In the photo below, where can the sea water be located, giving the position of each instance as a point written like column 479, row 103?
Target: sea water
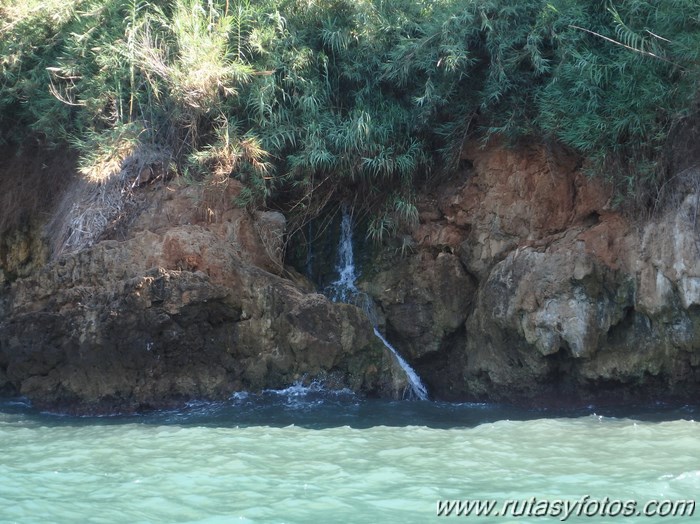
column 305, row 455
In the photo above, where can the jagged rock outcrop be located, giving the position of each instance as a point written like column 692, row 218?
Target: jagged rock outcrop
column 187, row 304
column 561, row 299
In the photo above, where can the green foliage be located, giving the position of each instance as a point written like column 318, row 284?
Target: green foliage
column 619, row 85
column 310, row 102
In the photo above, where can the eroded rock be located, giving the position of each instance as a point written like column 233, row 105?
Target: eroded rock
column 424, row 299
column 566, row 301
column 520, row 284
column 179, row 311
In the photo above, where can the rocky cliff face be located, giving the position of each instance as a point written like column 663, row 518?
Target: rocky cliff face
column 188, row 303
column 520, row 284
column 526, row 286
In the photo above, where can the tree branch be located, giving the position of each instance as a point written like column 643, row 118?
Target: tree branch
column 647, row 53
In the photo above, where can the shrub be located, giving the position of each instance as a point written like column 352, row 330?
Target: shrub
column 314, row 102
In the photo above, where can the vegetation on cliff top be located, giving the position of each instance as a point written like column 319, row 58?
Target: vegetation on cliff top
column 314, row 101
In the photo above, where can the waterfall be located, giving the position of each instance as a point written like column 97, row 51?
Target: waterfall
column 345, row 290
column 418, row 389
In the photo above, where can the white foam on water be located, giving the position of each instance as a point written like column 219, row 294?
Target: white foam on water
column 298, row 389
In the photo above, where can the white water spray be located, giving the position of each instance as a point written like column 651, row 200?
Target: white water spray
column 418, row 389
column 345, row 290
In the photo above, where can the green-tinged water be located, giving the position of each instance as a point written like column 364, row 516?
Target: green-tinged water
column 311, row 457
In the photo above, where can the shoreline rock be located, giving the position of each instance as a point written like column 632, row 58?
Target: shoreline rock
column 521, row 285
column 179, row 311
column 566, row 302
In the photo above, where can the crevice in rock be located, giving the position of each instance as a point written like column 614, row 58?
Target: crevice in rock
column 694, row 311
column 443, row 370
column 562, row 371
column 591, row 219
column 465, row 165
column 7, row 388
column 619, row 332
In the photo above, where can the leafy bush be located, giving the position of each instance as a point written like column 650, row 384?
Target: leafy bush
column 318, row 101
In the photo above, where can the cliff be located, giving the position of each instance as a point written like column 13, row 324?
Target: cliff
column 183, row 299
column 525, row 285
column 521, row 284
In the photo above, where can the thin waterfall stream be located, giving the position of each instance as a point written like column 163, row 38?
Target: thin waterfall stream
column 345, row 290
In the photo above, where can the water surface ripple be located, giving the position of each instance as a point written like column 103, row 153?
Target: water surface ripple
column 308, row 456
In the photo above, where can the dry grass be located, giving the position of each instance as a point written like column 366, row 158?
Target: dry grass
column 95, row 203
column 39, row 186
column 13, row 12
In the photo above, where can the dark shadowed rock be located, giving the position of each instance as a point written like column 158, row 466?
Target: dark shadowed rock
column 424, row 299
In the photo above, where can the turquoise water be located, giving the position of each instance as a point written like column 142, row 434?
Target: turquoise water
column 311, row 456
